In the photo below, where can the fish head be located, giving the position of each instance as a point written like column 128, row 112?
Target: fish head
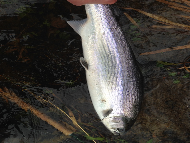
column 121, row 115
column 118, row 124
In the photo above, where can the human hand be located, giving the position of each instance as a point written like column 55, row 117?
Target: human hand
column 83, row 2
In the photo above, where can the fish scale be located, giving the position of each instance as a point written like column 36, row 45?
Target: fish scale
column 114, row 81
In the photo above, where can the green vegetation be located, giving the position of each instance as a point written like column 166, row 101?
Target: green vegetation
column 186, row 76
column 172, row 73
column 162, row 64
column 172, row 70
column 98, row 138
column 20, row 9
column 176, row 81
column 150, row 141
column 46, row 23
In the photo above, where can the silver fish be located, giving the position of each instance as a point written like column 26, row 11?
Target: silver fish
column 114, row 80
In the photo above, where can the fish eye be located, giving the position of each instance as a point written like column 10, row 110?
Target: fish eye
column 107, row 112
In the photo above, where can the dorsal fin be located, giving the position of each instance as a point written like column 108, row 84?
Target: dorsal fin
column 77, row 25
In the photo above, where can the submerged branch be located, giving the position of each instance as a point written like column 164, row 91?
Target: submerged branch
column 13, row 98
column 166, row 50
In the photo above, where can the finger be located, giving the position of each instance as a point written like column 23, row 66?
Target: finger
column 82, row 2
column 103, row 1
column 98, row 1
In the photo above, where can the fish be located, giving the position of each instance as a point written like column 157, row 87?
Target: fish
column 113, row 78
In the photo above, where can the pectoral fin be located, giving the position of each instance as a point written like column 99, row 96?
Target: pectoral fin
column 84, row 63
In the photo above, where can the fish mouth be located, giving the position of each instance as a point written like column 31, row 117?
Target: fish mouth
column 118, row 125
column 118, row 131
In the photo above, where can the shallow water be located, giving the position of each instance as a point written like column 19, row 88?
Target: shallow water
column 43, row 55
